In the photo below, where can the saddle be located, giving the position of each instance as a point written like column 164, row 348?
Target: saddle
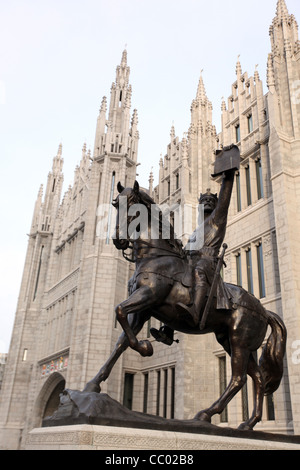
column 223, row 295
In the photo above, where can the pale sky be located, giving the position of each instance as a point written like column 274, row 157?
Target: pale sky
column 58, row 59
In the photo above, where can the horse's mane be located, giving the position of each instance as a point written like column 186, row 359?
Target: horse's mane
column 148, row 201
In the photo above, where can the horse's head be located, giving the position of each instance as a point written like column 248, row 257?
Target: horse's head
column 127, row 197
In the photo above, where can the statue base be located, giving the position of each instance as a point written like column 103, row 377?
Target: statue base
column 103, row 421
column 110, row 439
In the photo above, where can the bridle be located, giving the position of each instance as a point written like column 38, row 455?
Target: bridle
column 167, row 252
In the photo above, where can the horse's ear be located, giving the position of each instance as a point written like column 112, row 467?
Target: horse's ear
column 120, row 187
column 136, row 187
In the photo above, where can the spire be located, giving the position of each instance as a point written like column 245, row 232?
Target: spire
column 284, row 32
column 172, row 132
column 256, row 74
column 41, row 191
column 59, row 152
column 58, row 161
column 239, row 71
column 124, row 58
column 151, row 180
column 281, row 10
column 120, row 99
column 223, row 105
column 184, row 150
column 103, row 107
column 134, row 125
column 134, row 120
column 201, row 93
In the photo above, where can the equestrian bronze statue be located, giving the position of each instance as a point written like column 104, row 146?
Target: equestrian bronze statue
column 182, row 287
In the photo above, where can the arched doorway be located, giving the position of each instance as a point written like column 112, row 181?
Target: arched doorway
column 53, row 401
column 48, row 398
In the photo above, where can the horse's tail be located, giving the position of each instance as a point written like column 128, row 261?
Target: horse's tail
column 271, row 361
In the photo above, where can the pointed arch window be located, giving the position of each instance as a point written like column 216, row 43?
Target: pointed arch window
column 261, row 274
column 259, row 179
column 38, row 273
column 249, row 270
column 110, row 207
column 250, row 123
column 238, row 260
column 237, row 133
column 248, row 185
column 238, row 192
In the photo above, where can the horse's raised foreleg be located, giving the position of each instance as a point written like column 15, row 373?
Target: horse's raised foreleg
column 259, row 388
column 140, row 300
column 239, row 364
column 137, row 322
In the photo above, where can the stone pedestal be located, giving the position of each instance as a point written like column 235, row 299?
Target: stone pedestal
column 93, row 437
column 89, row 420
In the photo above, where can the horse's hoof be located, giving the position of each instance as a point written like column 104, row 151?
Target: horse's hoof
column 245, row 427
column 145, row 348
column 92, row 388
column 203, row 416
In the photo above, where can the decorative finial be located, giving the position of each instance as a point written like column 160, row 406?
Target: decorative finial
column 238, row 66
column 201, row 93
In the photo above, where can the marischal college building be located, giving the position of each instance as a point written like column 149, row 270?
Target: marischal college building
column 65, row 326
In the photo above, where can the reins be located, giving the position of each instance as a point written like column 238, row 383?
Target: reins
column 168, row 252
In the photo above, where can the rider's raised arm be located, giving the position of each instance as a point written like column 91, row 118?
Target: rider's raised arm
column 221, row 210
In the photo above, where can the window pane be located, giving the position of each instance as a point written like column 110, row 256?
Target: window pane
column 270, row 408
column 238, row 193
column 110, row 209
column 165, row 392
column 261, row 275
column 259, row 180
column 249, row 271
column 128, row 391
column 250, row 124
column 223, row 385
column 238, row 133
column 158, row 393
column 239, row 269
column 248, row 184
column 173, row 393
column 146, row 384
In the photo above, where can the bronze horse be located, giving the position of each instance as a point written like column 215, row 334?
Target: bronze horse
column 157, row 286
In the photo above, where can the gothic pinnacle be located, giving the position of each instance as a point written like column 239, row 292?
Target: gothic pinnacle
column 281, row 10
column 239, row 71
column 223, row 105
column 103, row 107
column 201, row 93
column 172, row 132
column 59, row 152
column 58, row 160
column 134, row 120
column 270, row 72
column 124, row 58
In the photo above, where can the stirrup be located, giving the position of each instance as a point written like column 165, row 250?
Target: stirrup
column 161, row 337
